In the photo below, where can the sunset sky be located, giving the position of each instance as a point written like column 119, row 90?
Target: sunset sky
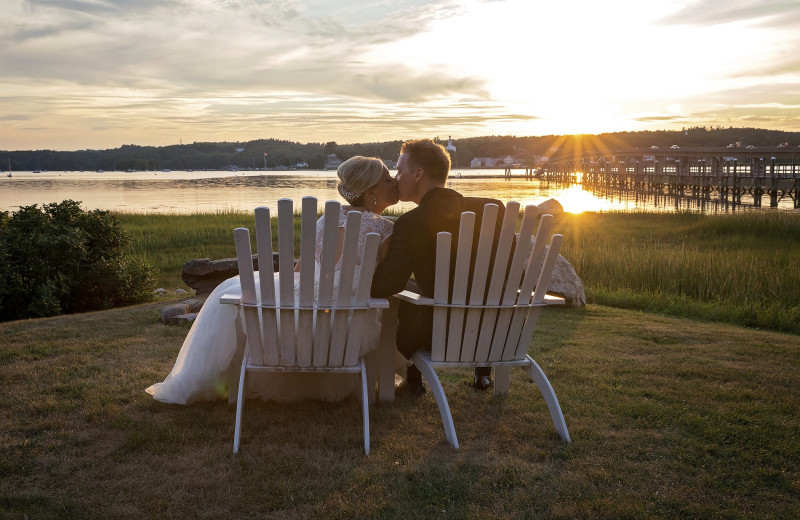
column 77, row 74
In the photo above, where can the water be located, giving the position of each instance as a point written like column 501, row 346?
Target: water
column 211, row 191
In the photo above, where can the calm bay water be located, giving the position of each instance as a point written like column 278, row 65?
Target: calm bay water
column 192, row 192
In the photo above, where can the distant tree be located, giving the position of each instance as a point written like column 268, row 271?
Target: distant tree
column 330, row 147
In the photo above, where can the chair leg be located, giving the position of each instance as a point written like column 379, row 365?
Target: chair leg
column 232, row 378
column 365, row 406
column 372, row 379
column 502, row 380
column 438, row 393
column 239, row 405
column 537, row 374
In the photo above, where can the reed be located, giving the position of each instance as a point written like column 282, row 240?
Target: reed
column 167, row 241
column 737, row 268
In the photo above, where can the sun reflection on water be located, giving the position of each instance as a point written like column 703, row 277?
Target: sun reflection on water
column 575, row 199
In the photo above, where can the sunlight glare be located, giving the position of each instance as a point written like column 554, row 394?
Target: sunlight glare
column 575, row 200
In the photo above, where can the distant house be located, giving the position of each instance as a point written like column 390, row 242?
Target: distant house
column 301, row 164
column 483, row 162
column 332, row 162
column 239, row 149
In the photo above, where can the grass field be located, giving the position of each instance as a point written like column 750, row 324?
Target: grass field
column 739, row 268
column 670, row 418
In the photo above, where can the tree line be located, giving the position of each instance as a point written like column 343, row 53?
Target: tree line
column 274, row 153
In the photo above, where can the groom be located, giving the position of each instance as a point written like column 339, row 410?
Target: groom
column 421, row 176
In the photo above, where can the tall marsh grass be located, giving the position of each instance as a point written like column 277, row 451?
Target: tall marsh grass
column 741, row 268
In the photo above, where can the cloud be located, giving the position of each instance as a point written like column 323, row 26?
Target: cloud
column 15, row 117
column 658, row 119
column 774, row 13
column 244, row 45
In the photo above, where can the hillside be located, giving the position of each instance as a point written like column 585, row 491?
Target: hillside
column 251, row 154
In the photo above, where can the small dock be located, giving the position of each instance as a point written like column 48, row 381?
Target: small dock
column 729, row 174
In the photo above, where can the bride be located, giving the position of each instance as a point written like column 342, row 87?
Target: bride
column 202, row 367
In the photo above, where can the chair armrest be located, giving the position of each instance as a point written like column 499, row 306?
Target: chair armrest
column 412, row 297
column 235, row 299
column 379, row 303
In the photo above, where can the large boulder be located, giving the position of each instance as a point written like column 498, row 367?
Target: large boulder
column 204, row 274
column 564, row 281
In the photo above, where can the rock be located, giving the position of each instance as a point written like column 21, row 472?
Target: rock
column 167, row 313
column 181, row 291
column 160, row 291
column 195, row 304
column 182, row 318
column 204, row 274
column 552, row 207
column 564, row 281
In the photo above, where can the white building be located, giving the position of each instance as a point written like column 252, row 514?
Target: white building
column 332, row 162
column 483, row 162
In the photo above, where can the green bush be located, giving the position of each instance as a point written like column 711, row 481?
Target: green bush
column 62, row 259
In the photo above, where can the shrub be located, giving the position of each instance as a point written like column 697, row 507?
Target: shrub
column 62, row 259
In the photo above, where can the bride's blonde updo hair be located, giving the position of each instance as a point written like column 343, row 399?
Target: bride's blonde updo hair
column 357, row 175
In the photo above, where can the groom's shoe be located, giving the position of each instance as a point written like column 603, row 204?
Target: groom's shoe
column 415, row 388
column 413, row 384
column 482, row 382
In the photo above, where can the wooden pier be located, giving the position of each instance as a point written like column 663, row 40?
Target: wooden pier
column 729, row 174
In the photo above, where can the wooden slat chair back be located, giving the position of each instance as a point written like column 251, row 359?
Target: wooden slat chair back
column 305, row 332
column 489, row 321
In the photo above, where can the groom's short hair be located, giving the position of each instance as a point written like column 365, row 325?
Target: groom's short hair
column 430, row 156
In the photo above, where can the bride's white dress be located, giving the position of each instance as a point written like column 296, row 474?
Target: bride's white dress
column 201, row 370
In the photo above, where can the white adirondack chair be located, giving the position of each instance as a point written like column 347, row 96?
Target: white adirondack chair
column 305, row 334
column 490, row 327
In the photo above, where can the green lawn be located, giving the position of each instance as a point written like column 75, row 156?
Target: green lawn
column 670, row 418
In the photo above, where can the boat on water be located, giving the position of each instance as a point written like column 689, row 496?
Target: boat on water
column 9, row 174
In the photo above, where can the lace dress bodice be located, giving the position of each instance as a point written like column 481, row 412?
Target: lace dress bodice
column 370, row 223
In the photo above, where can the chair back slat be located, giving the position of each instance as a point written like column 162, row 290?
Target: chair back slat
column 344, row 295
column 440, row 295
column 512, row 284
column 538, row 298
column 532, row 273
column 269, row 323
column 480, row 273
column 286, row 281
column 363, row 284
column 305, row 315
column 460, row 285
column 244, row 256
column 497, row 281
column 330, row 240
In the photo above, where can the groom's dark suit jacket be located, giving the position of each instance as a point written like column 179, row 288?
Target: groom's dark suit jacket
column 413, row 251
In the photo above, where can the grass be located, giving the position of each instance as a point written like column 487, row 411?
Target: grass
column 670, row 418
column 738, row 268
